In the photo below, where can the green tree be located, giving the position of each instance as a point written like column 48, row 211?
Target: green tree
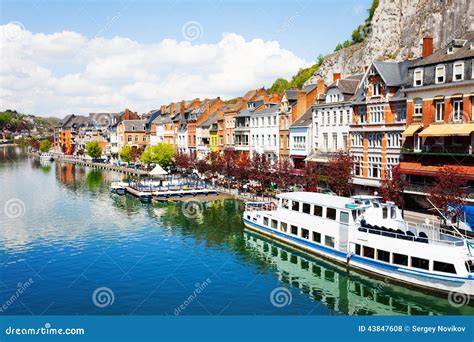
column 161, row 154
column 93, row 149
column 126, row 154
column 278, row 86
column 45, row 145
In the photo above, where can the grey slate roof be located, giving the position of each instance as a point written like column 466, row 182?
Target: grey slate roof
column 291, row 94
column 209, row 121
column 139, row 125
column 244, row 112
column 274, row 108
column 310, row 87
column 441, row 55
column 304, row 120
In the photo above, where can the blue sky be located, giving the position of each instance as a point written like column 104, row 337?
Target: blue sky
column 306, row 27
column 62, row 57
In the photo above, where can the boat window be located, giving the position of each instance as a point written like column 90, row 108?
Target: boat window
column 383, row 255
column 369, row 252
column 283, row 226
column 354, row 215
column 248, row 217
column 420, row 263
column 344, row 217
column 294, row 230
column 331, row 213
column 329, row 241
column 400, row 259
column 316, row 237
column 265, row 221
column 318, row 211
column 304, row 233
column 444, row 267
column 295, row 206
column 306, row 208
column 284, row 203
column 357, row 249
column 274, row 224
column 384, row 212
column 376, row 205
column 394, row 213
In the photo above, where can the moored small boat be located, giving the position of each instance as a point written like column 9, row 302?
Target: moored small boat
column 118, row 188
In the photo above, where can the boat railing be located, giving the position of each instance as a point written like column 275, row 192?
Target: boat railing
column 457, row 242
column 260, row 206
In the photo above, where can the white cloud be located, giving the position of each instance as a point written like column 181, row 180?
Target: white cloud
column 65, row 72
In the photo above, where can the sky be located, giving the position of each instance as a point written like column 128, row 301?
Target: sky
column 63, row 57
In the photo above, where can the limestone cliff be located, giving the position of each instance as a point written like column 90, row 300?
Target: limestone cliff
column 397, row 29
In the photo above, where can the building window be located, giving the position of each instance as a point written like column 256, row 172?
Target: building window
column 358, row 165
column 129, row 138
column 374, row 167
column 439, row 106
column 377, row 114
column 418, row 77
column 326, row 142
column 334, row 140
column 458, row 71
column 440, row 74
column 457, row 110
column 376, row 89
column 400, row 113
column 344, row 141
column 362, row 115
column 394, row 139
column 341, row 117
column 418, row 107
column 375, row 139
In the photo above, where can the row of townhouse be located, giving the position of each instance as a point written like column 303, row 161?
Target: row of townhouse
column 415, row 113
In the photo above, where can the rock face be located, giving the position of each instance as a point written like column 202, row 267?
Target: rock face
column 396, row 33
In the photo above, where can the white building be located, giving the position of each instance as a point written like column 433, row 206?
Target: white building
column 265, row 131
column 301, row 139
column 331, row 119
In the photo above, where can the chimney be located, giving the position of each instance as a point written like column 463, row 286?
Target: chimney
column 336, row 76
column 321, row 87
column 300, row 106
column 181, row 107
column 427, row 47
column 171, row 108
column 196, row 103
column 163, row 108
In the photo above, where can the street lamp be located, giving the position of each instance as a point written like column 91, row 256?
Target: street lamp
column 403, row 178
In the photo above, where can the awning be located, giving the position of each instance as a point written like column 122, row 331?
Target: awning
column 446, row 130
column 158, row 171
column 417, row 168
column 295, row 156
column 317, row 159
column 439, row 97
column 410, row 130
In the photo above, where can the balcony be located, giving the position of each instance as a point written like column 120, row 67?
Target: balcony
column 439, row 150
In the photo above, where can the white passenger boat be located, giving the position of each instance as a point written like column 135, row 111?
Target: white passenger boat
column 369, row 235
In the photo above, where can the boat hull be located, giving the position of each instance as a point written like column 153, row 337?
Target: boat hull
column 396, row 274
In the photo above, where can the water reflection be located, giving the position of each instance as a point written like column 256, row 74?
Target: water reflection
column 344, row 292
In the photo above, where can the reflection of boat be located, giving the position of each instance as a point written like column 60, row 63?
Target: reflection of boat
column 366, row 234
column 118, row 187
column 46, row 156
column 346, row 293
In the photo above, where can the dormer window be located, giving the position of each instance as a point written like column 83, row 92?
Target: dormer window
column 440, row 74
column 458, row 71
column 133, row 128
column 450, row 50
column 418, row 78
column 376, row 89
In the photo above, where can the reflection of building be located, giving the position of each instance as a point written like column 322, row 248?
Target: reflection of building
column 379, row 113
column 351, row 294
column 440, row 122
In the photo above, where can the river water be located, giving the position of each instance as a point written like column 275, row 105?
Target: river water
column 69, row 246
